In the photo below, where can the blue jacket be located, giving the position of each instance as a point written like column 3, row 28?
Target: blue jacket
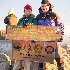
column 49, row 19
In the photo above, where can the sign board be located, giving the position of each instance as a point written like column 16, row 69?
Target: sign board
column 6, row 47
column 34, row 51
column 34, row 32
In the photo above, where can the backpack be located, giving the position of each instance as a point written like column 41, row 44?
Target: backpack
column 13, row 20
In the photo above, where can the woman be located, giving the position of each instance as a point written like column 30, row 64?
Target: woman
column 28, row 17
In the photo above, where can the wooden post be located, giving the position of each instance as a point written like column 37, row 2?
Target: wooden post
column 20, row 64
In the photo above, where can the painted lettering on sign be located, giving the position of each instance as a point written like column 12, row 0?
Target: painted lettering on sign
column 39, row 32
column 38, row 51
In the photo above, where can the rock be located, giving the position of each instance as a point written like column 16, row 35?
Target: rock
column 2, row 38
column 66, row 57
column 16, row 64
column 4, row 63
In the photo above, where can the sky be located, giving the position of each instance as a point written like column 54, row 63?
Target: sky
column 61, row 7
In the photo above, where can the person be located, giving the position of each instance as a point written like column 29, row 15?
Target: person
column 48, row 18
column 11, row 19
column 27, row 19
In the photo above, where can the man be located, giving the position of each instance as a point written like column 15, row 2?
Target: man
column 27, row 19
column 48, row 18
column 11, row 19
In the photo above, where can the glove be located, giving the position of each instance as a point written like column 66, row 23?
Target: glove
column 61, row 39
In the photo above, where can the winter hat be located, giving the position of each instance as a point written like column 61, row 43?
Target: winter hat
column 11, row 11
column 27, row 7
column 45, row 2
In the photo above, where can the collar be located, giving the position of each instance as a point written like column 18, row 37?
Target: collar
column 31, row 16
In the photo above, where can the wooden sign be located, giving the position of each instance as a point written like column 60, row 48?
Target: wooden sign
column 34, row 32
column 34, row 51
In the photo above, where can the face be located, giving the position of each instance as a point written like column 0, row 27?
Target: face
column 28, row 12
column 44, row 7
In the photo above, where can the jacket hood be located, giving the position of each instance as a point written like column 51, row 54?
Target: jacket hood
column 11, row 11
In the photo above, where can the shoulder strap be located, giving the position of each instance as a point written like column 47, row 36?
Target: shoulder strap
column 55, row 22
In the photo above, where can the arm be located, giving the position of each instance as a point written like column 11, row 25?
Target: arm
column 37, row 18
column 35, row 21
column 20, row 22
column 6, row 20
column 60, row 23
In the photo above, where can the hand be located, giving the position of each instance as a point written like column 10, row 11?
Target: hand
column 61, row 39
